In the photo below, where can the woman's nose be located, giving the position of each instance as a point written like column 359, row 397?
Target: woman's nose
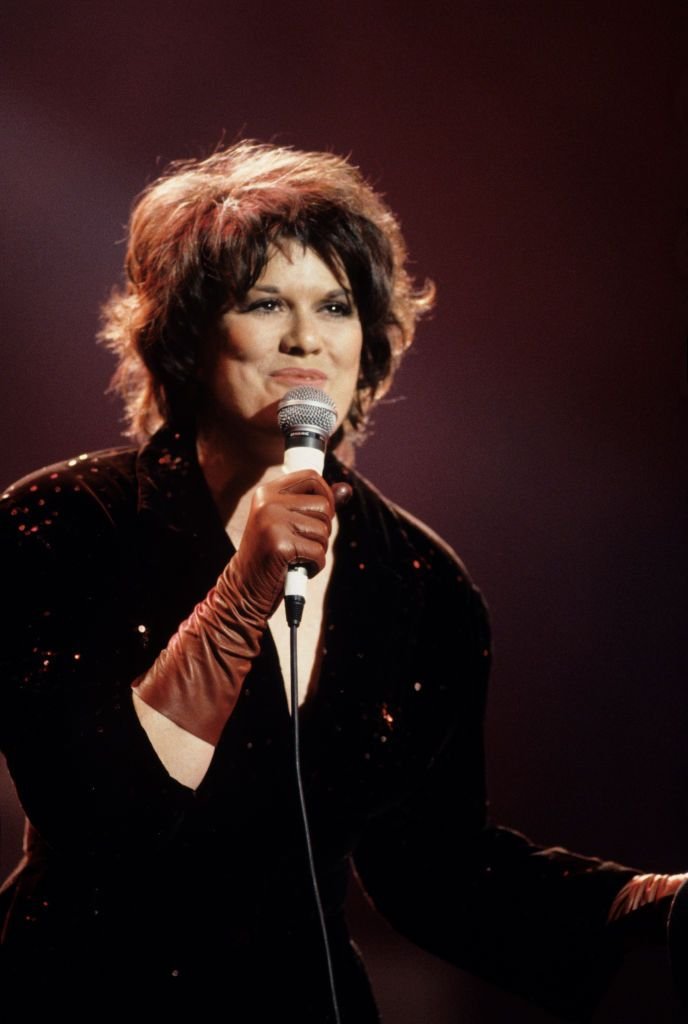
column 302, row 336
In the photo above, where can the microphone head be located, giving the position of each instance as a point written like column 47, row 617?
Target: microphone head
column 307, row 408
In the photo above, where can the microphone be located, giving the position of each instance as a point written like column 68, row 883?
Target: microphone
column 307, row 417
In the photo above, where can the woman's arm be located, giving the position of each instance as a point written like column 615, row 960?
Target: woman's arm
column 186, row 757
column 90, row 763
column 84, row 769
column 185, row 698
column 528, row 918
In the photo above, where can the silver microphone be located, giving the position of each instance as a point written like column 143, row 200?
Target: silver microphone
column 307, row 417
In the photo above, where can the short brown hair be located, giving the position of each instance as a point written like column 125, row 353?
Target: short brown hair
column 199, row 238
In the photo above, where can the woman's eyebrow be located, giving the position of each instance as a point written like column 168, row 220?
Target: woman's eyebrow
column 273, row 290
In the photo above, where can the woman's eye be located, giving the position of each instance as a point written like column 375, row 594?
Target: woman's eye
column 263, row 306
column 338, row 308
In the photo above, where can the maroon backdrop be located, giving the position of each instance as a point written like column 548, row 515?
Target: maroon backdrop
column 536, row 155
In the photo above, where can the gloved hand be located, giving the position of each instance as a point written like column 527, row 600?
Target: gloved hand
column 196, row 680
column 641, row 909
column 678, row 940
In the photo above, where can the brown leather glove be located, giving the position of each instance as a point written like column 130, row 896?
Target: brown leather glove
column 642, row 908
column 197, row 678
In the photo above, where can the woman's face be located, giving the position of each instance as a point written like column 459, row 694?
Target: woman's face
column 297, row 326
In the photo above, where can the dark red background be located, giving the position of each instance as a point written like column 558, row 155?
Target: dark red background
column 536, row 155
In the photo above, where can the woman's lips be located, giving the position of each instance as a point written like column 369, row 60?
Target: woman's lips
column 299, row 375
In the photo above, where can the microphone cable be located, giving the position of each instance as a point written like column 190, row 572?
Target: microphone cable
column 294, row 607
column 307, row 417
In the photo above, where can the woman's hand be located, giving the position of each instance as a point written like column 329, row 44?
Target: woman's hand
column 289, row 523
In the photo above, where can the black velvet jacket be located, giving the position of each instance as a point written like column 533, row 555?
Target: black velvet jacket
column 131, row 877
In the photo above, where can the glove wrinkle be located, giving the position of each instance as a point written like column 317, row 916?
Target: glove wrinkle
column 197, row 679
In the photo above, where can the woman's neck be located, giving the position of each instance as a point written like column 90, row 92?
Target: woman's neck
column 232, row 475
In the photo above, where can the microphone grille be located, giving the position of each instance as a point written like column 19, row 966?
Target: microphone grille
column 307, row 407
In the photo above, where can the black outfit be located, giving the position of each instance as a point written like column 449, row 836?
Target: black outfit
column 132, row 877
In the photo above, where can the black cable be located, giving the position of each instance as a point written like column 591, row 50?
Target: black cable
column 293, row 626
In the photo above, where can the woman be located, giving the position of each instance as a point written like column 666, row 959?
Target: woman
column 144, row 712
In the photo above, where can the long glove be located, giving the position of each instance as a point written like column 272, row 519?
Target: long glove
column 643, row 906
column 196, row 680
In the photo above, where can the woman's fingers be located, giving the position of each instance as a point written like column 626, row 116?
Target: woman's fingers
column 307, row 484
column 303, row 493
column 290, row 523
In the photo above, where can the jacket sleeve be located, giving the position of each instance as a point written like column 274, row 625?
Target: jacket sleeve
column 528, row 918
column 84, row 770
